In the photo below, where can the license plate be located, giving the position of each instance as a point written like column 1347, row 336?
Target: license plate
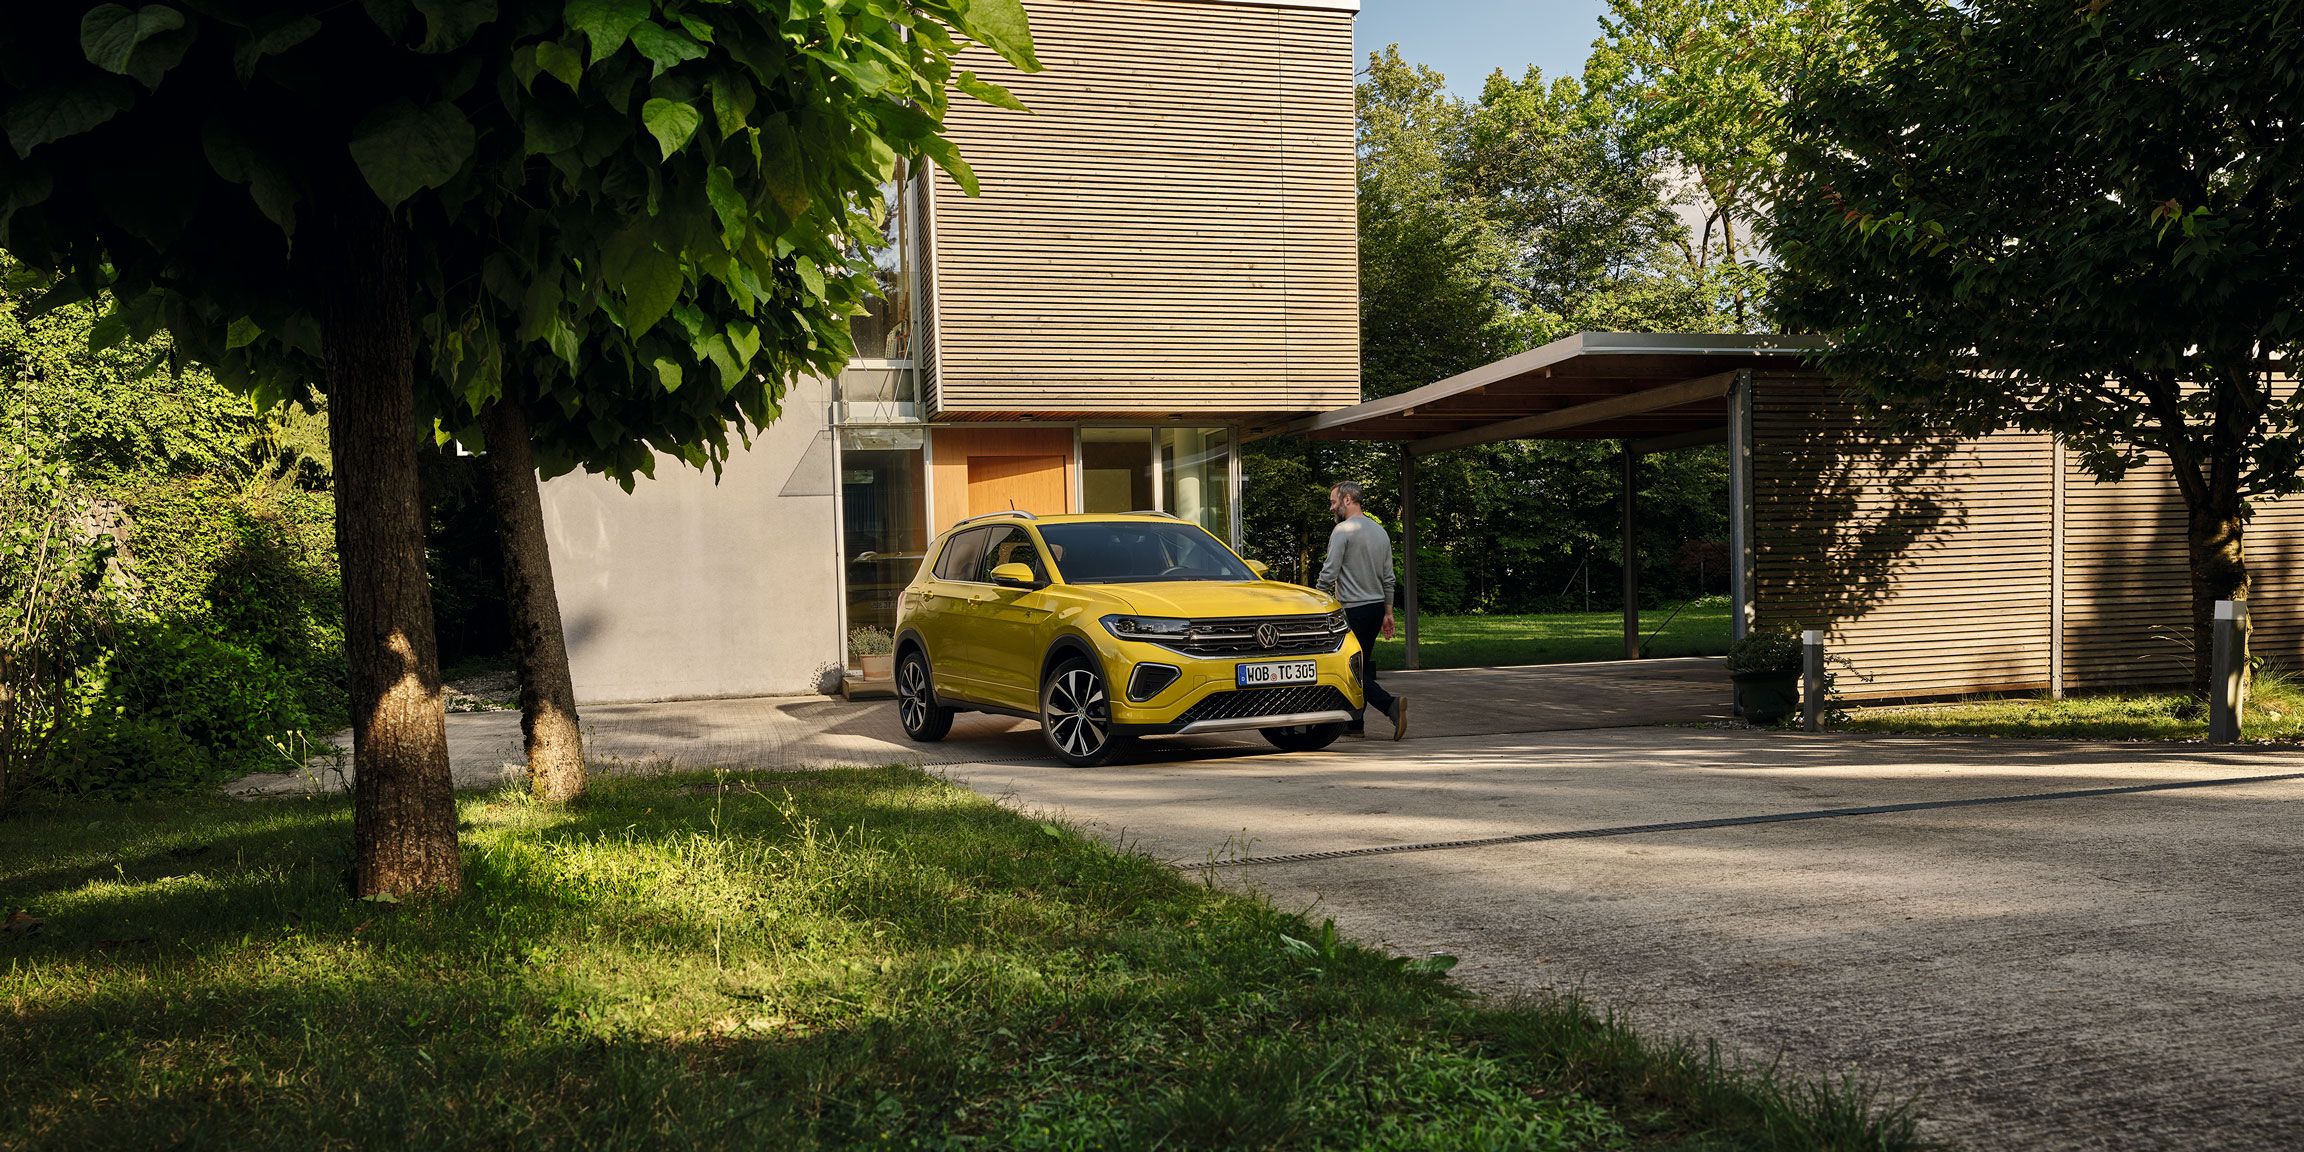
column 1278, row 672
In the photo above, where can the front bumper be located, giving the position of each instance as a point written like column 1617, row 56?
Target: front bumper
column 1205, row 695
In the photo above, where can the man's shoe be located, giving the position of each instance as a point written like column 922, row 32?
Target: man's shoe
column 1399, row 714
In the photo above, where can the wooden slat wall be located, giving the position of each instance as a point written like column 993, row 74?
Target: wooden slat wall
column 2128, row 589
column 1929, row 567
column 1932, row 573
column 1172, row 228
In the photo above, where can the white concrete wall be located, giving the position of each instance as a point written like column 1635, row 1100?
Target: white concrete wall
column 685, row 588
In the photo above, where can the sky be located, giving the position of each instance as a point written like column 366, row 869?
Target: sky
column 1467, row 39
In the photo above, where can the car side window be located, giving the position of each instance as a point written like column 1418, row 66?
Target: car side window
column 962, row 555
column 1011, row 545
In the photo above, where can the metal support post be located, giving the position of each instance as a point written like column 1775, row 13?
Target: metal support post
column 1812, row 680
column 1408, row 632
column 2226, row 697
column 1631, row 555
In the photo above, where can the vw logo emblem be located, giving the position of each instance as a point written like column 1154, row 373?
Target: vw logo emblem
column 1267, row 636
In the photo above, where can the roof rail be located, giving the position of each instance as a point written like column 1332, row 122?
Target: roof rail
column 992, row 516
column 1153, row 512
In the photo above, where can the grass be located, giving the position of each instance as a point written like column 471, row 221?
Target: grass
column 1700, row 629
column 2275, row 712
column 789, row 961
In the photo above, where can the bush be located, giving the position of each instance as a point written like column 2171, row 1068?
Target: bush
column 1772, row 650
column 171, row 707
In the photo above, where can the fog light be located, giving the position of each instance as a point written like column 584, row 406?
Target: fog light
column 1150, row 680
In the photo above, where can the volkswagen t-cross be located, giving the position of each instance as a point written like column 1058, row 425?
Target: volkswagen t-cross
column 1106, row 628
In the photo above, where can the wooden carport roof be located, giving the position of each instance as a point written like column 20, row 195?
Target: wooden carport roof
column 1658, row 390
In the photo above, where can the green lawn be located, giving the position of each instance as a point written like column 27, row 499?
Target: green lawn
column 1701, row 629
column 2275, row 712
column 786, row 961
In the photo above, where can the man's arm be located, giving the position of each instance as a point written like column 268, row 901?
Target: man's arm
column 1327, row 581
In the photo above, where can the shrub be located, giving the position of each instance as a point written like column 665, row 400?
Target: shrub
column 1762, row 650
column 170, row 707
column 1441, row 586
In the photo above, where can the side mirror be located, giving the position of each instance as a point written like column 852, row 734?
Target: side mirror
column 1262, row 570
column 1015, row 576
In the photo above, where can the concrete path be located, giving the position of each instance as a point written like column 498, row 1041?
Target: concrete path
column 484, row 748
column 2109, row 972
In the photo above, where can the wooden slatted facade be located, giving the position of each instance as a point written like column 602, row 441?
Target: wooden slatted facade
column 1956, row 567
column 1171, row 230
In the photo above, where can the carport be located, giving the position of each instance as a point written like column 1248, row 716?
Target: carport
column 1651, row 392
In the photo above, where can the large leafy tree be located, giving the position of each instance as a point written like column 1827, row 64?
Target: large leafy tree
column 2086, row 220
column 1696, row 85
column 622, row 191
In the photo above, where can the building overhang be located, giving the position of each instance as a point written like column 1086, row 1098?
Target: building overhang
column 1660, row 390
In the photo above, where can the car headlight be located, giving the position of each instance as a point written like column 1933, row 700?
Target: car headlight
column 1145, row 627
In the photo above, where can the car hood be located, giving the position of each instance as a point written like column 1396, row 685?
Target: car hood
column 1211, row 599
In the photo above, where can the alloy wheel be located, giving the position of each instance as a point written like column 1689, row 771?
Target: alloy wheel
column 1078, row 716
column 912, row 697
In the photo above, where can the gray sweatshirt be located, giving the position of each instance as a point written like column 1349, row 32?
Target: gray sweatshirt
column 1359, row 565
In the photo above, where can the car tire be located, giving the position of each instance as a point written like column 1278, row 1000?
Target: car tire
column 923, row 718
column 1303, row 737
column 1076, row 714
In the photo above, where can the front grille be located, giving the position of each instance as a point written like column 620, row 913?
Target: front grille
column 1215, row 639
column 1247, row 702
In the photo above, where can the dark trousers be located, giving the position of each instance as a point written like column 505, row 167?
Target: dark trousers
column 1367, row 620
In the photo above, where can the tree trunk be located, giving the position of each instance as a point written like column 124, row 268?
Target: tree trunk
column 404, row 803
column 547, row 693
column 2213, row 534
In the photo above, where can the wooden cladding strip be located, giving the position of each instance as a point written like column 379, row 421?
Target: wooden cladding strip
column 1172, row 229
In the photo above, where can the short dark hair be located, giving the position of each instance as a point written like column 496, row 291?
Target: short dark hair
column 1350, row 489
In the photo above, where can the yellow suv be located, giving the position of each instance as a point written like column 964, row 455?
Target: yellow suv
column 1107, row 628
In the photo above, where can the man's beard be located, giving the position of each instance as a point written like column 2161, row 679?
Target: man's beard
column 1340, row 514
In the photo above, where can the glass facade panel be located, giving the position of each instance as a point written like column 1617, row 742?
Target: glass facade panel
column 1116, row 470
column 1196, row 477
column 883, row 491
column 884, row 331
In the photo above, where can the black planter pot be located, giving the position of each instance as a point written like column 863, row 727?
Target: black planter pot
column 1767, row 697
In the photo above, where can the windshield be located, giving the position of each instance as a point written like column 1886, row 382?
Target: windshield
column 1138, row 551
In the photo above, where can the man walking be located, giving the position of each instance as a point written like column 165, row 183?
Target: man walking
column 1358, row 572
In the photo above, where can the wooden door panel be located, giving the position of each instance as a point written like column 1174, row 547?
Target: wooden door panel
column 1025, row 483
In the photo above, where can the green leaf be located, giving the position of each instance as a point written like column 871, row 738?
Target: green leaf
column 671, row 122
column 948, row 158
column 989, row 92
column 546, row 129
column 405, row 148
column 143, row 43
column 449, row 24
column 810, row 276
column 781, row 166
column 271, row 40
column 606, row 23
column 668, row 372
column 744, row 337
column 61, row 112
column 563, row 63
column 1001, row 26
column 241, row 334
column 735, row 215
column 665, row 47
column 732, row 101
column 649, row 279
column 269, row 184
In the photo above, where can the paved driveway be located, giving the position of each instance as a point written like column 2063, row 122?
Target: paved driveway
column 2109, row 971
